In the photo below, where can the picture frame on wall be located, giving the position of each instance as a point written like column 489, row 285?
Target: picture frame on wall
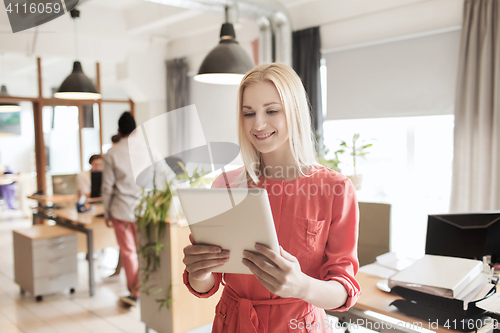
column 10, row 123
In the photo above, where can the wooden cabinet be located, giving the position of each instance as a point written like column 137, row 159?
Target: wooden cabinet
column 45, row 259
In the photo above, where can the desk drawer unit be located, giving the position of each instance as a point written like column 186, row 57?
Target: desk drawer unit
column 45, row 259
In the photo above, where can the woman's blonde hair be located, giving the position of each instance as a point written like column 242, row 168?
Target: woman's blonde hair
column 295, row 103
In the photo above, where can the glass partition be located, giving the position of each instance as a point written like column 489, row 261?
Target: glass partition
column 62, row 145
column 17, row 140
column 17, row 156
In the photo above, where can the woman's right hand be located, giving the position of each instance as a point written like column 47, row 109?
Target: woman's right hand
column 202, row 260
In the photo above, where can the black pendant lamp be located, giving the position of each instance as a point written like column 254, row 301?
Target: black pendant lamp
column 77, row 85
column 8, row 106
column 227, row 63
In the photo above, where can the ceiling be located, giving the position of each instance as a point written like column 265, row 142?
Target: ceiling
column 109, row 30
column 147, row 18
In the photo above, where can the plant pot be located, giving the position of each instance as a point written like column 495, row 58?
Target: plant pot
column 357, row 181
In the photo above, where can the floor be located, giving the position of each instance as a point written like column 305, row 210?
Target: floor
column 63, row 312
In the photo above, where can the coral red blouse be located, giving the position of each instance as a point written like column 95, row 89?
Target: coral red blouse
column 316, row 218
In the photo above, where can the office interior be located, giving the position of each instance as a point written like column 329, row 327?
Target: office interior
column 389, row 75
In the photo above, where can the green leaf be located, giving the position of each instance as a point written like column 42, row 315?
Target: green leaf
column 159, row 246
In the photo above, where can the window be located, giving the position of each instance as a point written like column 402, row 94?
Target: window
column 409, row 166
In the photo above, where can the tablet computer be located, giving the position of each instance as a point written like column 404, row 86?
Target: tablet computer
column 234, row 219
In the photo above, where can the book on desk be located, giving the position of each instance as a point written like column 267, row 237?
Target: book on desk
column 438, row 275
column 443, row 289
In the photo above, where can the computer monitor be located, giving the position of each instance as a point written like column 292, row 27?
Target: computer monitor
column 64, row 184
column 95, row 184
column 466, row 235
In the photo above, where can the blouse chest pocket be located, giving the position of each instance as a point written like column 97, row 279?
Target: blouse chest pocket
column 308, row 237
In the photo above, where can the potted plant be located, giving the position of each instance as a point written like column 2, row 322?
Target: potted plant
column 356, row 149
column 331, row 163
column 154, row 252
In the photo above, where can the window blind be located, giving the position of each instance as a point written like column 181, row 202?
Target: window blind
column 413, row 77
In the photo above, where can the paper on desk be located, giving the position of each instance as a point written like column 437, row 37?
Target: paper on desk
column 377, row 270
column 491, row 304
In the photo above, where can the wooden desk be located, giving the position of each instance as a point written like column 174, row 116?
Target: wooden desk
column 86, row 223
column 94, row 200
column 43, row 199
column 8, row 179
column 376, row 300
column 104, row 236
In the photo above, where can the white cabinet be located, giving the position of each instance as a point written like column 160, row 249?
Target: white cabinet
column 45, row 259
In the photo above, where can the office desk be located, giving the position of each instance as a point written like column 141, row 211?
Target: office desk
column 8, row 179
column 376, row 300
column 43, row 199
column 104, row 236
column 86, row 223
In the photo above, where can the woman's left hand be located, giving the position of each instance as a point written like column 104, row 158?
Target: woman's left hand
column 280, row 273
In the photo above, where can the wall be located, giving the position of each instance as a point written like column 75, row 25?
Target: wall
column 216, row 105
column 143, row 77
column 347, row 23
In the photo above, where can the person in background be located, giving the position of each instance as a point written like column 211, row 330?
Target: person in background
column 115, row 139
column 8, row 190
column 83, row 179
column 120, row 197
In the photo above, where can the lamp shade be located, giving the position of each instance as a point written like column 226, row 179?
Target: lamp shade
column 77, row 86
column 227, row 63
column 8, row 106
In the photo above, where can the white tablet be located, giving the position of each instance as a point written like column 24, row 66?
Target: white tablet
column 234, row 219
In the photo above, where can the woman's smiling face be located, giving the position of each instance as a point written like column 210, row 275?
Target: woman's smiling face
column 263, row 116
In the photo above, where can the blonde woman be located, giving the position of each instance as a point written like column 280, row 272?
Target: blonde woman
column 315, row 213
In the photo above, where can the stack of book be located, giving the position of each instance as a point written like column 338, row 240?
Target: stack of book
column 438, row 288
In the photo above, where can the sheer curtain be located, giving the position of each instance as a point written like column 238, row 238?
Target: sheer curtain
column 476, row 166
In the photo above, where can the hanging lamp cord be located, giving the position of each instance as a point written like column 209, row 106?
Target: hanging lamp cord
column 75, row 14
